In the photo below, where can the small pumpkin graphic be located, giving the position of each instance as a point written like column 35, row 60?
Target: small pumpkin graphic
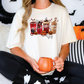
column 35, row 33
column 45, row 64
column 50, row 32
column 43, row 33
column 79, row 31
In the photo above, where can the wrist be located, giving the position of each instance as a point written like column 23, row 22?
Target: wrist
column 62, row 57
column 28, row 59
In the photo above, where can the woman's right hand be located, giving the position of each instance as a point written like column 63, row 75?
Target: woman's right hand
column 19, row 52
column 35, row 66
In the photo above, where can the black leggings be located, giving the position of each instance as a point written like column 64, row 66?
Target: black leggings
column 11, row 65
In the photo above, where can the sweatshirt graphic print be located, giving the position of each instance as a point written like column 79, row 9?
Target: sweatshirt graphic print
column 44, row 27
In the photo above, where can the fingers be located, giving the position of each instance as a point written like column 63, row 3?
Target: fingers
column 61, row 69
column 58, row 68
column 59, row 64
column 36, row 68
column 56, row 58
column 40, row 72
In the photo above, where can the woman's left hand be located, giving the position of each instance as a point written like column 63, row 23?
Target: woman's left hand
column 59, row 64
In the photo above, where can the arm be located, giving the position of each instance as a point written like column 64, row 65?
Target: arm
column 19, row 52
column 64, row 52
column 59, row 61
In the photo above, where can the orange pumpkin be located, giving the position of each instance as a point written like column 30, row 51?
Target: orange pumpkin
column 79, row 31
column 45, row 64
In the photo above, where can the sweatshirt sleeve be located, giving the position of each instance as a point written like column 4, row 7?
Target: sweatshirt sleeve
column 68, row 34
column 14, row 37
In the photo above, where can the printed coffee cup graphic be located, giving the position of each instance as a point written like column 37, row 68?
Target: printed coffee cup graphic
column 46, row 24
column 43, row 27
column 54, row 26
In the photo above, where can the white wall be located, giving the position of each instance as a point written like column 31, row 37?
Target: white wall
column 71, row 5
column 77, row 5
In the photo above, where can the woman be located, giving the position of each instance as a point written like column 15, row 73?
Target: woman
column 41, row 29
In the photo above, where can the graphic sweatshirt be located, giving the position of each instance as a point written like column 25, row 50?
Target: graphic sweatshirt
column 48, row 29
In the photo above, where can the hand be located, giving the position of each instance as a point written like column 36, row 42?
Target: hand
column 59, row 64
column 35, row 66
